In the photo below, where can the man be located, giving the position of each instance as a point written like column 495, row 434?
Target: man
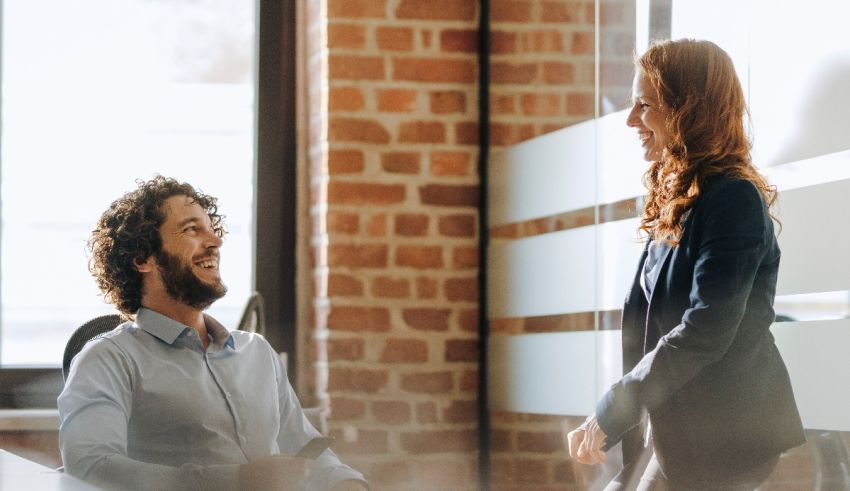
column 172, row 400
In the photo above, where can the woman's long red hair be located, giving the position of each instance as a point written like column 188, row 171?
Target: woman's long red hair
column 697, row 86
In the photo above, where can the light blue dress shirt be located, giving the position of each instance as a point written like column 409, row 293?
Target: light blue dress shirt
column 146, row 407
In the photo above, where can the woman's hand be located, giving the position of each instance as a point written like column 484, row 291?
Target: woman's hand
column 585, row 442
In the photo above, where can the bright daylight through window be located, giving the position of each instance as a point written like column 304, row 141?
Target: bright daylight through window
column 95, row 95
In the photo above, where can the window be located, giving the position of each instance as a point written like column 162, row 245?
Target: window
column 95, row 95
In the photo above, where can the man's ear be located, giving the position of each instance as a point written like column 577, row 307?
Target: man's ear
column 145, row 266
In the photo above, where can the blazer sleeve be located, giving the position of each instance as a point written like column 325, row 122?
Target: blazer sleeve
column 735, row 230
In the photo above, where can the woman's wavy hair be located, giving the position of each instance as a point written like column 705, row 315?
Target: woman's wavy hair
column 697, row 87
column 130, row 230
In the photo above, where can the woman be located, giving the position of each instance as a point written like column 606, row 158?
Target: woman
column 698, row 354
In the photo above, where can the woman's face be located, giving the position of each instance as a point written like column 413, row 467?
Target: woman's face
column 647, row 117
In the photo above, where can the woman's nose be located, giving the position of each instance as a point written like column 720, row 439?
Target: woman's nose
column 633, row 119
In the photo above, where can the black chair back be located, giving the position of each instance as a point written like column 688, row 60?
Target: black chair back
column 92, row 329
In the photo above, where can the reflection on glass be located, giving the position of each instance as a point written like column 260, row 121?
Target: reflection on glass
column 95, row 95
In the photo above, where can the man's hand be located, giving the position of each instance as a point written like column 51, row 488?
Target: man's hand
column 585, row 442
column 351, row 485
column 275, row 472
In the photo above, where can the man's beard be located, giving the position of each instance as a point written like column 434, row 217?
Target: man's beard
column 182, row 285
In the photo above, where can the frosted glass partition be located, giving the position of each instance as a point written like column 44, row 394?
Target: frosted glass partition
column 548, row 175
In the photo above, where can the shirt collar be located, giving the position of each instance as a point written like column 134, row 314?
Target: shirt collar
column 168, row 329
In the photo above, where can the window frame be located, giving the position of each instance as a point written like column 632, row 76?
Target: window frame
column 274, row 204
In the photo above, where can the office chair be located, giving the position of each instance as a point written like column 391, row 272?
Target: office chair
column 254, row 315
column 92, row 329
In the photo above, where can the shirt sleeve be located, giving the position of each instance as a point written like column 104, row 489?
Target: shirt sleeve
column 94, row 408
column 735, row 228
column 296, row 430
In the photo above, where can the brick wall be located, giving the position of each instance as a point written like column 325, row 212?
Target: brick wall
column 393, row 148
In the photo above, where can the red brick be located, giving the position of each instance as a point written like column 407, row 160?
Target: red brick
column 386, row 287
column 434, row 69
column 461, row 350
column 513, row 73
column 558, row 73
column 450, row 164
column 501, row 134
column 391, row 412
column 343, row 408
column 364, row 193
column 358, row 255
column 394, row 38
column 368, row 442
column 345, row 161
column 422, row 132
column 540, row 441
column 436, row 9
column 461, row 412
column 449, row 195
column 447, row 101
column 580, row 104
column 377, row 226
column 427, row 35
column 346, row 36
column 345, row 99
column 455, row 474
column 501, row 440
column 462, row 289
column 502, row 42
column 427, row 319
column 561, row 11
column 427, row 383
column 544, row 41
column 411, row 224
column 405, row 351
column 468, row 320
column 531, row 471
column 357, row 130
column 466, row 133
column 459, row 40
column 469, row 381
column 426, row 287
column 396, row 100
column 457, row 225
column 426, row 412
column 583, row 42
column 400, row 162
column 502, row 104
column 565, row 472
column 357, row 380
column 541, row 104
column 342, row 222
column 353, row 318
column 420, row 257
column 389, row 474
column 351, row 67
column 510, row 11
column 343, row 285
column 345, row 349
column 356, row 8
column 465, row 258
column 439, row 441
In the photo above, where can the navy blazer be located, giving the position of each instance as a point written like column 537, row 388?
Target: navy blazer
column 699, row 356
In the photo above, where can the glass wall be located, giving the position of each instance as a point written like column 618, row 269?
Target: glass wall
column 96, row 95
column 565, row 201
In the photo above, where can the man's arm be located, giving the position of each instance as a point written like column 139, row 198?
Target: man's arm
column 296, row 430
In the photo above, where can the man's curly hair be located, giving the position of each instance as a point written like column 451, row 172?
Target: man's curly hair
column 130, row 230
